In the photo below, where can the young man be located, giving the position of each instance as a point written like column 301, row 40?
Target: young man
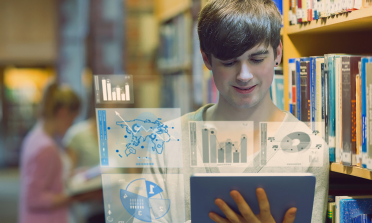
column 240, row 44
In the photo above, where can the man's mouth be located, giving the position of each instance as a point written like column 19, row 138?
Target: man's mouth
column 244, row 90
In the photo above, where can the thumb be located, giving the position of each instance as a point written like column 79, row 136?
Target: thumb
column 290, row 215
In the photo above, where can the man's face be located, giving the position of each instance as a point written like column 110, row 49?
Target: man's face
column 244, row 81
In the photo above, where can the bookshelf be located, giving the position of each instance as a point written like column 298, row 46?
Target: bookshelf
column 346, row 33
column 352, row 171
column 167, row 9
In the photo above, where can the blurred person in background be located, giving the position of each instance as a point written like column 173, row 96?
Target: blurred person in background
column 81, row 143
column 44, row 165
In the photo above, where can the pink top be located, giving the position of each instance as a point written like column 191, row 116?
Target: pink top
column 41, row 178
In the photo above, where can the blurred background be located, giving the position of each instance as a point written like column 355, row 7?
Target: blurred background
column 70, row 40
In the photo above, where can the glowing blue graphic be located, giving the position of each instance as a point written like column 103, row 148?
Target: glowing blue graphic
column 140, row 137
column 142, row 199
column 143, row 133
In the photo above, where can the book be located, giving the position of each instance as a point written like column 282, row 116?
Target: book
column 319, row 62
column 292, row 85
column 304, row 11
column 352, row 207
column 298, row 89
column 330, row 212
column 338, row 119
column 363, row 218
column 332, row 108
column 338, row 208
column 326, row 97
column 312, row 78
column 364, row 60
column 358, row 120
column 278, row 89
column 369, row 113
column 305, row 91
column 349, row 71
column 299, row 11
column 322, row 99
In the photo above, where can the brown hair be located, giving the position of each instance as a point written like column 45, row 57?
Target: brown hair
column 56, row 97
column 228, row 28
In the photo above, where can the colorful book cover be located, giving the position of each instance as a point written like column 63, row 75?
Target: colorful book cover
column 319, row 62
column 338, row 90
column 351, row 208
column 358, row 120
column 304, row 11
column 363, row 218
column 332, row 110
column 322, row 93
column 349, row 71
column 364, row 60
column 279, row 91
column 326, row 98
column 299, row 11
column 305, row 91
column 291, row 68
column 298, row 89
column 369, row 114
column 312, row 73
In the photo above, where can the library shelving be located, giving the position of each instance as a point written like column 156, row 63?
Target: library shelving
column 349, row 33
column 352, row 171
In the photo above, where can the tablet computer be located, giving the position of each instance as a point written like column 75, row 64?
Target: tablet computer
column 283, row 192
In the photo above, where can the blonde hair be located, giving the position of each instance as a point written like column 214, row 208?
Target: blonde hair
column 56, row 97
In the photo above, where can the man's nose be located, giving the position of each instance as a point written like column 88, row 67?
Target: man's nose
column 245, row 74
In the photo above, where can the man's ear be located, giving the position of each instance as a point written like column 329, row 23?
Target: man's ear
column 206, row 61
column 279, row 52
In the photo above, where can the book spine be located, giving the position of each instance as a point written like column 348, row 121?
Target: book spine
column 308, row 78
column 312, row 92
column 332, row 111
column 346, row 112
column 326, row 99
column 369, row 114
column 358, row 121
column 338, row 109
column 354, row 70
column 304, row 11
column 319, row 94
column 322, row 101
column 290, row 63
column 303, row 76
column 294, row 91
column 364, row 111
column 299, row 11
column 298, row 89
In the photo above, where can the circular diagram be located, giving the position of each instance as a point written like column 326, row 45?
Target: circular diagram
column 143, row 200
column 288, row 143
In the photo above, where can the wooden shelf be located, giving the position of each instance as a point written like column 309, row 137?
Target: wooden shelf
column 352, row 171
column 359, row 20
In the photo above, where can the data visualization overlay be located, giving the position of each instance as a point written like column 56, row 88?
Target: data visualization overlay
column 291, row 144
column 143, row 198
column 113, row 89
column 221, row 143
column 130, row 137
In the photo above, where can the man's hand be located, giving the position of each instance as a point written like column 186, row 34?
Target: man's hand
column 246, row 214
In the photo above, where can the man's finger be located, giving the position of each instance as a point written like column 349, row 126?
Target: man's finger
column 264, row 205
column 243, row 207
column 216, row 218
column 290, row 215
column 230, row 214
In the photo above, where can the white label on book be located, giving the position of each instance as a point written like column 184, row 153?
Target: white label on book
column 364, row 158
column 299, row 13
column 369, row 164
column 346, row 157
column 332, row 142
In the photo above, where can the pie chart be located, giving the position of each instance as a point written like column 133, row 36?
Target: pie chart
column 144, row 201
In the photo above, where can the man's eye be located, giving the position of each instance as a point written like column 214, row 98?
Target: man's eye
column 257, row 60
column 229, row 64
